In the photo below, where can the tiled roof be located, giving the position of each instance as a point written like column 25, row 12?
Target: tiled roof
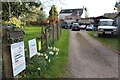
column 75, row 12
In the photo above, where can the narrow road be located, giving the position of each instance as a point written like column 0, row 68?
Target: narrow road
column 90, row 59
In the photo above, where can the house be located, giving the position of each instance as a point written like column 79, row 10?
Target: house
column 70, row 15
column 117, row 20
column 110, row 15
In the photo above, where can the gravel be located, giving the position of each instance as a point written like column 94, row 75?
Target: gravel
column 88, row 58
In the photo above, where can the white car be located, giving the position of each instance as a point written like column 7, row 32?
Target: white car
column 106, row 27
column 83, row 26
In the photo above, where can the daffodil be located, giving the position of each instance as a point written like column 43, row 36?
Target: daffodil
column 46, row 57
column 51, row 52
column 38, row 54
column 57, row 53
column 44, row 54
column 41, row 54
column 39, row 69
column 49, row 60
column 57, row 49
column 49, row 47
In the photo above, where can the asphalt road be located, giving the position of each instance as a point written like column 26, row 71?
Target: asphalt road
column 88, row 58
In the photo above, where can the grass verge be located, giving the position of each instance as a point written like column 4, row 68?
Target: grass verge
column 59, row 63
column 109, row 40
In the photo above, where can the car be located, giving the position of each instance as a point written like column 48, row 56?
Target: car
column 83, row 26
column 91, row 27
column 67, row 26
column 76, row 23
column 63, row 25
column 106, row 27
column 75, row 27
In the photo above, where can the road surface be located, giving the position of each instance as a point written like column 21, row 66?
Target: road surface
column 88, row 58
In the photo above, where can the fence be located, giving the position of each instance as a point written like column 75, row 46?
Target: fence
column 48, row 36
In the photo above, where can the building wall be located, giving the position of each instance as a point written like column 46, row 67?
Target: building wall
column 63, row 15
column 118, row 21
column 70, row 21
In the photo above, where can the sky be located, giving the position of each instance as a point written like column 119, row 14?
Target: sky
column 95, row 7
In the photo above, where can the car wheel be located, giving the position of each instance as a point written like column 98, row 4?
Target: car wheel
column 99, row 35
column 112, row 33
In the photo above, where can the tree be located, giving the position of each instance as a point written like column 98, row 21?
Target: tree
column 53, row 14
column 10, row 9
column 117, row 5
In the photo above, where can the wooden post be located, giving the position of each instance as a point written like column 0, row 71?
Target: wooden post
column 53, row 33
column 46, row 31
column 57, row 33
column 7, row 62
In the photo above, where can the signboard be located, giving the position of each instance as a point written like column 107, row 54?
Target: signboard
column 32, row 47
column 18, row 57
column 39, row 45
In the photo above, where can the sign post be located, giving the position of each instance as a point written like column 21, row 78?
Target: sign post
column 18, row 57
column 32, row 47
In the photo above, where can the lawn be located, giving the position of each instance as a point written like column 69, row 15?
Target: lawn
column 32, row 32
column 108, row 40
column 59, row 63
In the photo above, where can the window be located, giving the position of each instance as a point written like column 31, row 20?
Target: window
column 106, row 23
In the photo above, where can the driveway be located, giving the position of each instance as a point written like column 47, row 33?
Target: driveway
column 90, row 59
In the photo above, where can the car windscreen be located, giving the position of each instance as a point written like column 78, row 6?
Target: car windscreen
column 90, row 25
column 75, row 25
column 83, row 25
column 106, row 23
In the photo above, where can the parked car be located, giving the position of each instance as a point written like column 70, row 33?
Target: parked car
column 63, row 25
column 76, row 23
column 70, row 26
column 67, row 26
column 83, row 26
column 106, row 27
column 75, row 27
column 91, row 28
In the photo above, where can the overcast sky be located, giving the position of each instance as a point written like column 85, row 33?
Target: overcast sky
column 95, row 7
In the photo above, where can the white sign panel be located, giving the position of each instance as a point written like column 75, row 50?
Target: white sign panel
column 32, row 47
column 18, row 57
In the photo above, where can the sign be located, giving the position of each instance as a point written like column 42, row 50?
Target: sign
column 32, row 47
column 39, row 45
column 18, row 57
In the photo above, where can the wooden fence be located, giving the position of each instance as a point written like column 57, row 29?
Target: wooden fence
column 48, row 37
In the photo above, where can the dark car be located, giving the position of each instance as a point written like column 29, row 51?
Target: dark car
column 67, row 26
column 63, row 25
column 75, row 27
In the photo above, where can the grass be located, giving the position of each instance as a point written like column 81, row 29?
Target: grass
column 108, row 40
column 32, row 32
column 56, row 67
column 59, row 63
